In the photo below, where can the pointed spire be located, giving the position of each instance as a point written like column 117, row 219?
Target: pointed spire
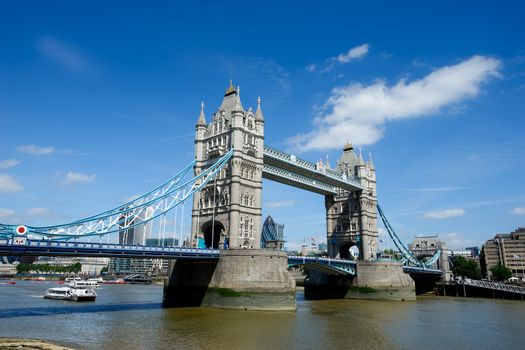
column 230, row 89
column 370, row 163
column 360, row 160
column 348, row 146
column 238, row 105
column 202, row 119
column 258, row 113
column 328, row 166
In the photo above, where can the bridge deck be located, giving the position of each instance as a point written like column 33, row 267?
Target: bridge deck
column 290, row 164
column 50, row 248
column 111, row 250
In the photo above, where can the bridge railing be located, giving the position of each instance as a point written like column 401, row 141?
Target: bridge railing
column 292, row 159
column 114, row 246
column 494, row 285
column 270, row 169
column 421, row 269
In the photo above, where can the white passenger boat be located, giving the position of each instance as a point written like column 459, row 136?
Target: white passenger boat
column 71, row 279
column 69, row 293
column 83, row 283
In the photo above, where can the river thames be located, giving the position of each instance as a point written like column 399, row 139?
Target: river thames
column 132, row 317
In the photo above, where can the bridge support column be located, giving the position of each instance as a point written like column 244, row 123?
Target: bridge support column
column 381, row 280
column 375, row 280
column 242, row 279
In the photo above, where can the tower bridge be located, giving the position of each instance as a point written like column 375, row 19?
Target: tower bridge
column 231, row 160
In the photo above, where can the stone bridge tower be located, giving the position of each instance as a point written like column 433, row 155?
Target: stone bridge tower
column 228, row 211
column 351, row 217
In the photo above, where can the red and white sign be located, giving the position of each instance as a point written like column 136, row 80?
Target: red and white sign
column 21, row 230
column 19, row 240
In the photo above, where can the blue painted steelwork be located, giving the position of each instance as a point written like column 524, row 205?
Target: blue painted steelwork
column 56, row 248
column 145, row 208
column 408, row 257
column 339, row 266
column 422, row 270
column 88, row 249
column 292, row 164
column 291, row 178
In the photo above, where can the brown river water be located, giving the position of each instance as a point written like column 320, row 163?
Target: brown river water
column 132, row 317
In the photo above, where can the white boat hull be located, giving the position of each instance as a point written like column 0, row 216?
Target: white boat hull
column 72, row 294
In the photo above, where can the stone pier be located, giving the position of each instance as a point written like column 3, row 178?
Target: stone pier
column 241, row 279
column 377, row 280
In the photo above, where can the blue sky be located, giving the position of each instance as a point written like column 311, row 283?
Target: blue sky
column 98, row 102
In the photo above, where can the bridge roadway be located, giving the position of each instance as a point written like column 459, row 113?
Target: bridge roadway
column 112, row 250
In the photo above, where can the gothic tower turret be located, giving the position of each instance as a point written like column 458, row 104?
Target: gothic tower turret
column 351, row 216
column 227, row 212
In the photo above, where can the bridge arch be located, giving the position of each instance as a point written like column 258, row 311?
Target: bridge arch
column 213, row 231
column 349, row 251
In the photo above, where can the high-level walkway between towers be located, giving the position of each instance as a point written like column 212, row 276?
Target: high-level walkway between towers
column 288, row 169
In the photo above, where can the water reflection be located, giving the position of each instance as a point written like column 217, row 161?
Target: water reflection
column 61, row 310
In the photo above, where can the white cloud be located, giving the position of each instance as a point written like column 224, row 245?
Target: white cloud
column 353, row 54
column 280, row 204
column 36, row 150
column 9, row 185
column 359, row 113
column 457, row 241
column 4, row 213
column 72, row 177
column 311, row 68
column 62, row 54
column 518, row 211
column 9, row 163
column 39, row 212
column 444, row 214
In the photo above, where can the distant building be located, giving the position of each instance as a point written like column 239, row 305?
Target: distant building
column 474, row 250
column 507, row 249
column 7, row 269
column 166, row 242
column 464, row 253
column 426, row 246
column 272, row 234
column 90, row 265
column 137, row 234
column 126, row 266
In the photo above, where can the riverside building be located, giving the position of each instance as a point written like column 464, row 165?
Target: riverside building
column 507, row 249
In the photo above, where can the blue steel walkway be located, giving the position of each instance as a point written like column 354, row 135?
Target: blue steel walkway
column 107, row 250
column 111, row 250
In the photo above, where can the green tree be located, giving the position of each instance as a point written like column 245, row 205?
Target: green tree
column 466, row 268
column 500, row 272
column 76, row 267
column 22, row 268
